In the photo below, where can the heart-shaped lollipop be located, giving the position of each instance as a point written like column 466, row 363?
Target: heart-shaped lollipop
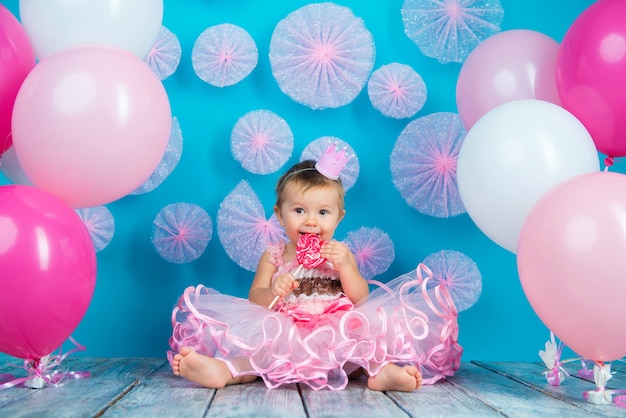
column 308, row 251
column 308, row 255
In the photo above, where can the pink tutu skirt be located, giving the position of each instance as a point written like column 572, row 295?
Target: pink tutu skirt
column 402, row 322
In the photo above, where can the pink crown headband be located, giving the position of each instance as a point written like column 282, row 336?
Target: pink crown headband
column 332, row 162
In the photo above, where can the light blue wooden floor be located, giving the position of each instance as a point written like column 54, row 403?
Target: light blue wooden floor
column 145, row 387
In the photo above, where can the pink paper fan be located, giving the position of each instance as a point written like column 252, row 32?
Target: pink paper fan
column 321, row 55
column 449, row 30
column 181, row 232
column 261, row 141
column 100, row 224
column 168, row 163
column 316, row 149
column 459, row 274
column 242, row 227
column 373, row 250
column 224, row 55
column 396, row 90
column 423, row 164
column 164, row 56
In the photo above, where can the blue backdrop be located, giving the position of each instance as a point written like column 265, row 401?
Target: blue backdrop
column 136, row 289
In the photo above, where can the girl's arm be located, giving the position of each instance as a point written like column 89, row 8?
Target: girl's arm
column 261, row 291
column 354, row 285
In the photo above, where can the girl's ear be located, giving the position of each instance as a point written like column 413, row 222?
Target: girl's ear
column 343, row 213
column 279, row 216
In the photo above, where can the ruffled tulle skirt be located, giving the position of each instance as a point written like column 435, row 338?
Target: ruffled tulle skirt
column 402, row 322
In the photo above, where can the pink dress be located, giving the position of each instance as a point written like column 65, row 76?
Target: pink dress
column 316, row 336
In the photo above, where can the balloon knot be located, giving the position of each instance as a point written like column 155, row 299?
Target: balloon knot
column 608, row 161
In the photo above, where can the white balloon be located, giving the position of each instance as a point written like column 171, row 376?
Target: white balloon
column 11, row 168
column 511, row 156
column 53, row 25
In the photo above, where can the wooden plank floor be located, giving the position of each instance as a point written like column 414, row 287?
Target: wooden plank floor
column 145, row 387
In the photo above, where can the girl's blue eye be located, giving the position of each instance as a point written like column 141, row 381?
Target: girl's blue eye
column 299, row 210
column 323, row 212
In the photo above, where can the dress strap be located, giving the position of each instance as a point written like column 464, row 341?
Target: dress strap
column 276, row 250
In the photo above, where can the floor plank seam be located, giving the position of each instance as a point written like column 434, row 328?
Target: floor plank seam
column 208, row 406
column 115, row 400
column 304, row 404
column 469, row 394
column 399, row 405
column 536, row 388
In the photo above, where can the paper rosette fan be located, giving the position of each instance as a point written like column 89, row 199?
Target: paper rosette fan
column 449, row 30
column 100, row 224
column 164, row 56
column 181, row 232
column 242, row 227
column 261, row 141
column 423, row 164
column 373, row 250
column 224, row 55
column 315, row 150
column 459, row 274
column 396, row 90
column 168, row 163
column 321, row 55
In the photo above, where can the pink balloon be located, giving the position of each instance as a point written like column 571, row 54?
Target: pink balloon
column 17, row 58
column 48, row 265
column 591, row 65
column 510, row 65
column 90, row 124
column 571, row 263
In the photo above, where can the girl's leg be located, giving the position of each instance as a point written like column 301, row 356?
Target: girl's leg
column 394, row 377
column 204, row 370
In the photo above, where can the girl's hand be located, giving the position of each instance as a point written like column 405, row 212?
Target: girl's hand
column 338, row 254
column 284, row 284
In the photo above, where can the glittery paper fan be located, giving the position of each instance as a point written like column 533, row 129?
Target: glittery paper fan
column 423, row 164
column 164, row 56
column 168, row 163
column 396, row 90
column 261, row 141
column 100, row 224
column 459, row 274
column 322, row 55
column 449, row 30
column 373, row 250
column 224, row 55
column 181, row 232
column 316, row 149
column 242, row 227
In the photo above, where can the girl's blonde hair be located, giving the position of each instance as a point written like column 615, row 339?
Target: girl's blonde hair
column 304, row 176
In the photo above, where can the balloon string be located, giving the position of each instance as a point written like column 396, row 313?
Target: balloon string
column 45, row 370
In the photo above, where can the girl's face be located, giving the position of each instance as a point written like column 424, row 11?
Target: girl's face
column 314, row 211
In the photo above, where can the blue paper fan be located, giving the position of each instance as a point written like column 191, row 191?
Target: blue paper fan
column 322, row 55
column 181, row 232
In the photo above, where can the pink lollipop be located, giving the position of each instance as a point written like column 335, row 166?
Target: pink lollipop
column 308, row 251
column 308, row 255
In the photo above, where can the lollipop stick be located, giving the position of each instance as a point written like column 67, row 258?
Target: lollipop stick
column 295, row 276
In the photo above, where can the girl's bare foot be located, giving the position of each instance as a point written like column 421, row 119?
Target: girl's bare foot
column 207, row 371
column 393, row 377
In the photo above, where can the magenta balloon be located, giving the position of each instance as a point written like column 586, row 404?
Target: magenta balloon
column 591, row 69
column 510, row 65
column 571, row 263
column 90, row 124
column 48, row 271
column 17, row 58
